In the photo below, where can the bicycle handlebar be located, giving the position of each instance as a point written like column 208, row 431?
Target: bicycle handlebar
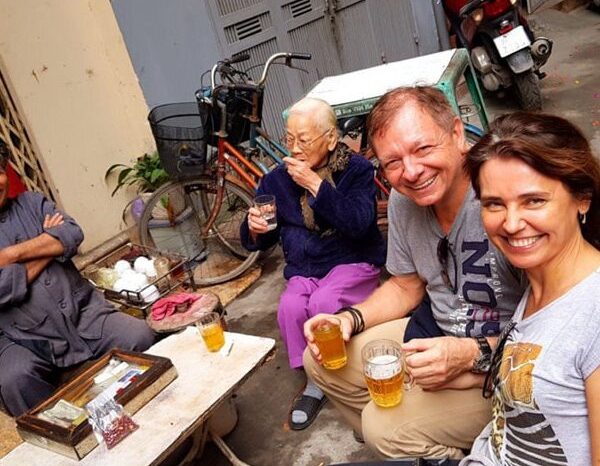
column 289, row 56
column 225, row 67
column 239, row 58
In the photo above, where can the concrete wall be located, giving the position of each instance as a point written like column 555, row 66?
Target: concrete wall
column 73, row 82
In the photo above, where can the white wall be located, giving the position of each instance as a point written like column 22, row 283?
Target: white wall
column 71, row 77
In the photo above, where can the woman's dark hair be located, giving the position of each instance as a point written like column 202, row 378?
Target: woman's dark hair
column 553, row 147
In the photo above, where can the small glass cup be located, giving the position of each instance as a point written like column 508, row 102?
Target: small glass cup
column 209, row 326
column 268, row 209
column 384, row 368
column 162, row 267
column 329, row 339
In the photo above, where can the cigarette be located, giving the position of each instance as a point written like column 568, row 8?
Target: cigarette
column 228, row 348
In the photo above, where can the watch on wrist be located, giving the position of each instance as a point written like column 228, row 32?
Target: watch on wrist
column 482, row 363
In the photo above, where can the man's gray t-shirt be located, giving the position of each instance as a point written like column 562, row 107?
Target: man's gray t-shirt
column 541, row 414
column 488, row 288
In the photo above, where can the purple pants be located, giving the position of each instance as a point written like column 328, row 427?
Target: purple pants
column 344, row 285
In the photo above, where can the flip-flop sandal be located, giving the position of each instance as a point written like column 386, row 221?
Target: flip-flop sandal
column 309, row 405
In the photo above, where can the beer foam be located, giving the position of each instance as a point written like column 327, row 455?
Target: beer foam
column 383, row 366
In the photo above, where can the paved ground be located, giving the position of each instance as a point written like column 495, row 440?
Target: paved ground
column 571, row 89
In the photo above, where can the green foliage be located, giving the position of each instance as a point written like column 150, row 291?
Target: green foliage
column 146, row 173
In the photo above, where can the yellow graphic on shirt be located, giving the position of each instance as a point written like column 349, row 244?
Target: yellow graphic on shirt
column 516, row 379
column 515, row 385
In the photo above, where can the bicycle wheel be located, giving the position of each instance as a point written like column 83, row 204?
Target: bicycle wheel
column 175, row 216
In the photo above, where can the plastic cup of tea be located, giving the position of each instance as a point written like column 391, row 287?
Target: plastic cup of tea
column 384, row 368
column 328, row 338
column 209, row 326
column 268, row 209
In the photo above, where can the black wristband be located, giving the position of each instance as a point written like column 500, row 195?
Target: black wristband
column 358, row 322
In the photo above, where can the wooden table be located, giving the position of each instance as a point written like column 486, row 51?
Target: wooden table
column 181, row 410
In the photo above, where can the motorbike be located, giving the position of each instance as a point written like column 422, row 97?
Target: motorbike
column 502, row 46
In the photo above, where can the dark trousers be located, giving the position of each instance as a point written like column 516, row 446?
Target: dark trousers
column 26, row 379
column 422, row 324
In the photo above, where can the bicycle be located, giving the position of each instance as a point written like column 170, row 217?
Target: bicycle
column 201, row 210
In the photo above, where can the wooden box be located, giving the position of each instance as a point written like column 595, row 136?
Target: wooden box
column 77, row 440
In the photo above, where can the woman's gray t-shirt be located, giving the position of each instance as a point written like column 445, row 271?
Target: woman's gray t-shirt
column 540, row 409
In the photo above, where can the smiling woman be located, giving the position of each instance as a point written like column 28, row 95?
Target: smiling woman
column 545, row 218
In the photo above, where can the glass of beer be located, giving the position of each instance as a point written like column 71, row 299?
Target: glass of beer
column 328, row 337
column 209, row 326
column 384, row 368
column 268, row 209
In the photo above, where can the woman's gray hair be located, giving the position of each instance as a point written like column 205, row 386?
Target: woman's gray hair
column 321, row 112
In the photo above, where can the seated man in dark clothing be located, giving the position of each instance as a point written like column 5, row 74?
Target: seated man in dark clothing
column 50, row 316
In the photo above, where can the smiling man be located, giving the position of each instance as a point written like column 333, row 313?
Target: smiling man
column 438, row 253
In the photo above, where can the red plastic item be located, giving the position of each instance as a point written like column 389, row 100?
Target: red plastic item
column 496, row 8
column 491, row 9
column 15, row 185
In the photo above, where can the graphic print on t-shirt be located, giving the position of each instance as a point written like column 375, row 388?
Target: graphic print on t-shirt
column 521, row 434
column 479, row 291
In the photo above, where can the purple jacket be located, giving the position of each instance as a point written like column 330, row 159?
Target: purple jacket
column 349, row 208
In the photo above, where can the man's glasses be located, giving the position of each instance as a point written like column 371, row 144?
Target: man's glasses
column 493, row 375
column 290, row 141
column 444, row 250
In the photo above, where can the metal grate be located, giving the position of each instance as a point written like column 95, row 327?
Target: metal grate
column 248, row 28
column 14, row 134
column 231, row 6
column 300, row 7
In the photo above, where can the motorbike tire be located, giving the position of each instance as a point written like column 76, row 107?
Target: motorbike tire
column 527, row 90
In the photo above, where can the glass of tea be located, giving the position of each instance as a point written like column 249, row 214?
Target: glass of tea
column 328, row 337
column 209, row 326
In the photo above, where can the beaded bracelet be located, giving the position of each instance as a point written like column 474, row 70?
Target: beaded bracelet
column 358, row 323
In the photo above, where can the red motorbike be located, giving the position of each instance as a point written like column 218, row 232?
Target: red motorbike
column 502, row 46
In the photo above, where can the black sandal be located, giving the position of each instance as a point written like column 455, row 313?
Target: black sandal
column 307, row 404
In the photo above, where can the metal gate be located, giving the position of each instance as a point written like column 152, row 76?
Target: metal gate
column 341, row 35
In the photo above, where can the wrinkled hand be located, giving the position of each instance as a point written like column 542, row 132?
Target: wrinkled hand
column 311, row 323
column 256, row 223
column 54, row 220
column 434, row 362
column 302, row 174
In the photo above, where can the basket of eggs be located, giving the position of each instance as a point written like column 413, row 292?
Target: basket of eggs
column 135, row 276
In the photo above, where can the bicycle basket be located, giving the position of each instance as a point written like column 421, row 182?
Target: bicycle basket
column 180, row 133
column 239, row 107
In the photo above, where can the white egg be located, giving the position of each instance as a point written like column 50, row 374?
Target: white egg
column 140, row 281
column 151, row 271
column 122, row 266
column 141, row 264
column 129, row 275
column 150, row 294
column 120, row 285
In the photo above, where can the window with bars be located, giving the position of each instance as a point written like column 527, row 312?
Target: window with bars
column 22, row 156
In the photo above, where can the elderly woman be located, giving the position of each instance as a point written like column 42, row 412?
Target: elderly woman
column 539, row 186
column 326, row 220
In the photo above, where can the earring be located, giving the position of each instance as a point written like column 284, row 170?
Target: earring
column 582, row 217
